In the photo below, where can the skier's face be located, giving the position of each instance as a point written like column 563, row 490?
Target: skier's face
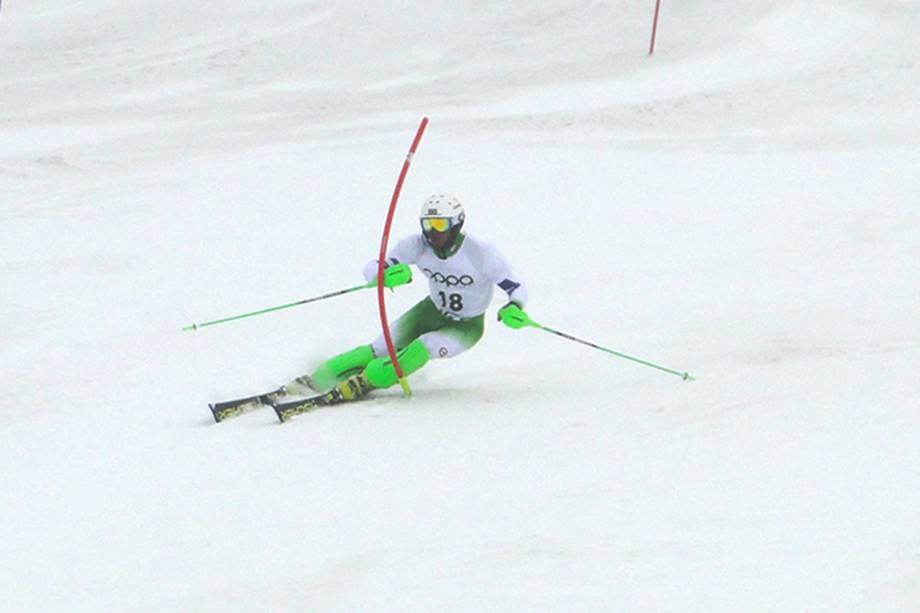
column 438, row 240
column 438, row 231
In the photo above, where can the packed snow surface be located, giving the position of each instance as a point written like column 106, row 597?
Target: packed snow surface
column 742, row 205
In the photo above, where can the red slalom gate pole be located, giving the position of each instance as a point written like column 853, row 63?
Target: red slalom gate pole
column 651, row 46
column 381, row 303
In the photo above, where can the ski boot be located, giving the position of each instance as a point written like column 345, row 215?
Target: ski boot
column 352, row 388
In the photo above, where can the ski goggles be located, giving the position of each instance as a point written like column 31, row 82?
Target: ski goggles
column 437, row 224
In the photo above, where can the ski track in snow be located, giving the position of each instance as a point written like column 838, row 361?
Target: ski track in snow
column 742, row 206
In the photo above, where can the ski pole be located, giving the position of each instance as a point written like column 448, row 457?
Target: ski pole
column 283, row 306
column 683, row 375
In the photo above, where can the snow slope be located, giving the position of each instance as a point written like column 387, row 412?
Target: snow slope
column 742, row 205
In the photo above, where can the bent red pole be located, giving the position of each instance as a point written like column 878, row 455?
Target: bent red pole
column 381, row 303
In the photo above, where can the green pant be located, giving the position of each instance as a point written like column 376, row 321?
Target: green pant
column 421, row 333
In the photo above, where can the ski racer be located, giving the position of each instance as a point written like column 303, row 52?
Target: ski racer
column 462, row 271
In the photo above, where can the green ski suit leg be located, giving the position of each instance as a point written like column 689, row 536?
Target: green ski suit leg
column 342, row 366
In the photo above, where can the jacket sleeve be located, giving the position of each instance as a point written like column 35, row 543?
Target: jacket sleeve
column 497, row 268
column 406, row 251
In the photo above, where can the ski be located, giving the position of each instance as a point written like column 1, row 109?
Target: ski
column 287, row 409
column 301, row 386
column 290, row 400
column 239, row 406
column 352, row 388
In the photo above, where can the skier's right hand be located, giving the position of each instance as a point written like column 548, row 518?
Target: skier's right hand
column 396, row 275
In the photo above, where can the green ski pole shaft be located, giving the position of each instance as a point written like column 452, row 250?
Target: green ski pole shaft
column 683, row 375
column 278, row 308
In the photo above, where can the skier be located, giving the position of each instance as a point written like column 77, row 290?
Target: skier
column 461, row 271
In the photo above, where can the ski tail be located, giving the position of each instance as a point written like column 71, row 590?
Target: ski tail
column 285, row 410
column 239, row 406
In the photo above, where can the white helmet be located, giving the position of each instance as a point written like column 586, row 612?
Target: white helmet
column 442, row 206
column 442, row 213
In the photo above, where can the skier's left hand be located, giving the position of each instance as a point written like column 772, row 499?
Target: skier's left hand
column 513, row 316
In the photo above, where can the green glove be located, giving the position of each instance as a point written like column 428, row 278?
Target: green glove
column 395, row 275
column 513, row 316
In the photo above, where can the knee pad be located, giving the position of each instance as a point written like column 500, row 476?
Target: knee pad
column 381, row 373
